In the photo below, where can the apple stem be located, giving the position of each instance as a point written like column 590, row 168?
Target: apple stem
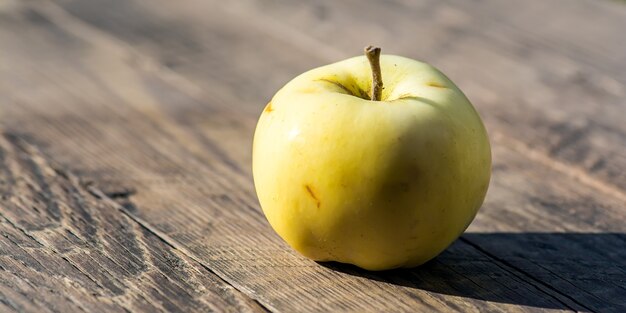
column 373, row 55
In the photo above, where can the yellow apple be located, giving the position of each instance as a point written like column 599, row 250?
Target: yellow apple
column 378, row 184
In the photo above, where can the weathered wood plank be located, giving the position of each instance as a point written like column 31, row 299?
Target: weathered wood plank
column 553, row 72
column 123, row 123
column 588, row 267
column 555, row 230
column 66, row 249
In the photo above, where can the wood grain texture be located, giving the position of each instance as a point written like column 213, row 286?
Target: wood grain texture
column 178, row 135
column 65, row 248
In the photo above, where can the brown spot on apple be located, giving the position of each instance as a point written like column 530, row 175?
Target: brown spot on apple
column 311, row 193
column 404, row 187
column 268, row 107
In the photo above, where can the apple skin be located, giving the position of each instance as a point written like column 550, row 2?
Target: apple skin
column 378, row 184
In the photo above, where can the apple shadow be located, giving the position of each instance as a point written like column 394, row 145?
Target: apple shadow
column 579, row 271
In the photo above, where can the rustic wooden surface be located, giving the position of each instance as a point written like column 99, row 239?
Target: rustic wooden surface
column 125, row 154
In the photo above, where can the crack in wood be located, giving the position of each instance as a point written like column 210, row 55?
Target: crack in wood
column 121, row 194
column 21, row 229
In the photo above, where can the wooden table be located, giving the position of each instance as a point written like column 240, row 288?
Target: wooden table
column 126, row 142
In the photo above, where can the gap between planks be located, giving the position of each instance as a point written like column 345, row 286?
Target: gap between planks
column 525, row 276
